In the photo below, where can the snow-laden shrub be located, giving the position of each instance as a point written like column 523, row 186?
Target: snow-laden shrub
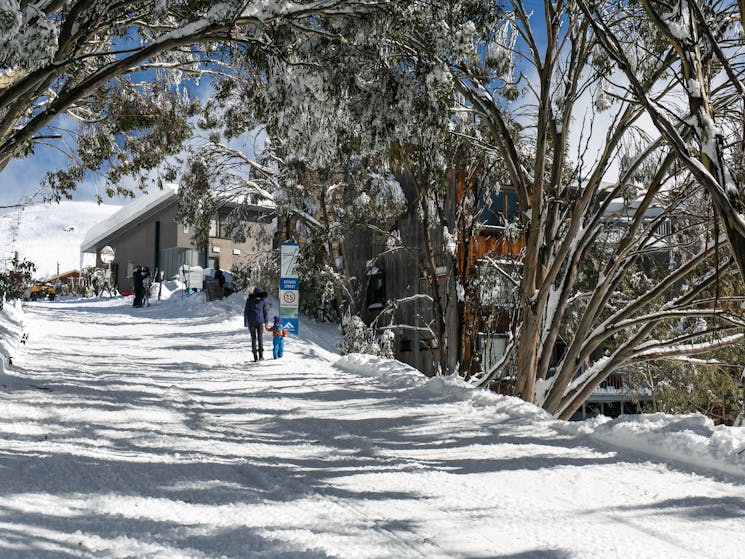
column 14, row 281
column 261, row 271
column 319, row 282
column 387, row 344
column 357, row 337
column 11, row 331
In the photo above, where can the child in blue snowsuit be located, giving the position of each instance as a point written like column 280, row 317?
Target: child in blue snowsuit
column 278, row 337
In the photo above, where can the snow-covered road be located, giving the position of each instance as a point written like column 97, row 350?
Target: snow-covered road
column 148, row 433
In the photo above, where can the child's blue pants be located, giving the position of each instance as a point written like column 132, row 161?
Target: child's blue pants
column 279, row 346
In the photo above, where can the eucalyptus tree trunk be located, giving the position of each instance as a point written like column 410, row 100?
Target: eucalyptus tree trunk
column 565, row 213
column 686, row 28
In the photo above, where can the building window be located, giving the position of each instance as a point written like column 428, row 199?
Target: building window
column 496, row 283
column 376, row 296
column 222, row 229
column 491, row 348
column 663, row 228
column 498, row 209
column 219, row 228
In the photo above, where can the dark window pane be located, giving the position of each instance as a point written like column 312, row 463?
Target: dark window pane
column 512, row 209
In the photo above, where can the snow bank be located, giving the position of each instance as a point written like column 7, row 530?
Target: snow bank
column 11, row 328
column 400, row 376
column 692, row 439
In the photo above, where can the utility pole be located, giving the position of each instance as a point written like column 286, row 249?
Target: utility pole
column 16, row 227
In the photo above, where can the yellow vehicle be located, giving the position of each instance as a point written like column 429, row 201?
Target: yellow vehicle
column 42, row 290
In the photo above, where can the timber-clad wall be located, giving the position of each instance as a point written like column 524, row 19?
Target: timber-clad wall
column 403, row 279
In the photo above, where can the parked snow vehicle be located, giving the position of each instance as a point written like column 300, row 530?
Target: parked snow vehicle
column 42, row 290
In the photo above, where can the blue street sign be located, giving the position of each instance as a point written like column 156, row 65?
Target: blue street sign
column 289, row 283
column 291, row 324
column 289, row 286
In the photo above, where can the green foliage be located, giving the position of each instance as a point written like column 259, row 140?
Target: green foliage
column 686, row 388
column 196, row 206
column 110, row 70
column 260, row 272
column 139, row 126
column 241, row 276
column 319, row 283
column 265, row 271
column 711, row 388
column 13, row 282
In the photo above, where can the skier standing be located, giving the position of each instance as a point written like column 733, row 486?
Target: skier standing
column 138, row 287
column 220, row 277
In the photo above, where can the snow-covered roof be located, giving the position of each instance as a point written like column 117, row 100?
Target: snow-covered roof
column 128, row 214
column 619, row 205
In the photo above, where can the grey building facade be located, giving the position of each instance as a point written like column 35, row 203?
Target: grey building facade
column 147, row 233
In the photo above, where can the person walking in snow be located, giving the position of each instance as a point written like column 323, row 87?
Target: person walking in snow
column 147, row 283
column 254, row 318
column 138, row 287
column 220, row 277
column 278, row 337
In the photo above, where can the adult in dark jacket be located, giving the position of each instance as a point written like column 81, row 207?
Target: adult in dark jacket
column 147, row 282
column 254, row 318
column 137, row 283
column 220, row 277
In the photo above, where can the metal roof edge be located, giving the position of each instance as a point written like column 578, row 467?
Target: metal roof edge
column 122, row 219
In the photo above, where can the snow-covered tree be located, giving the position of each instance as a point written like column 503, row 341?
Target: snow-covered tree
column 543, row 123
column 15, row 280
column 542, row 95
column 336, row 105
column 112, row 73
column 317, row 206
column 699, row 46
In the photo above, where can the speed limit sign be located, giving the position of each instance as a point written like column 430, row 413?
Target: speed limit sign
column 288, row 298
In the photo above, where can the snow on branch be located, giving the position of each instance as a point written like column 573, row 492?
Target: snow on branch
column 658, row 350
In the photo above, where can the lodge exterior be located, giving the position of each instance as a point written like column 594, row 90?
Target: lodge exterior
column 486, row 312
column 147, row 232
column 395, row 276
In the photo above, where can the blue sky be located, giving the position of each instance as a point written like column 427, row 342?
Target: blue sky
column 22, row 178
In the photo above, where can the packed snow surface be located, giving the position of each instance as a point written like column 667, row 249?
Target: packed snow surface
column 150, row 433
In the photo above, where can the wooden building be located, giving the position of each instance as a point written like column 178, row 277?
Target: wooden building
column 398, row 276
column 487, row 264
